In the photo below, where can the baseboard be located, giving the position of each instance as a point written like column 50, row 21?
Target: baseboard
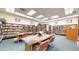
column 8, row 37
column 61, row 34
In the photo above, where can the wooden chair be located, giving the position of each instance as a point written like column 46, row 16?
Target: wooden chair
column 42, row 46
column 78, row 43
column 51, row 41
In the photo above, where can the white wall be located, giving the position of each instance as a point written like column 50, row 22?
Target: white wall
column 64, row 22
column 35, row 23
column 11, row 19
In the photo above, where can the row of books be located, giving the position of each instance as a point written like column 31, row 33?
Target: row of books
column 13, row 29
column 62, row 28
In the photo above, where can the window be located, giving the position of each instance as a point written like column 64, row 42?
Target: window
column 11, row 10
column 68, row 11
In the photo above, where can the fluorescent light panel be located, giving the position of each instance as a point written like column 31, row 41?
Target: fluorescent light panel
column 32, row 12
column 44, row 18
column 64, row 18
column 20, row 14
column 56, row 16
column 40, row 16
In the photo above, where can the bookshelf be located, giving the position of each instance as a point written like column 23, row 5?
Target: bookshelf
column 0, row 31
column 9, row 30
column 61, row 29
column 78, row 26
column 34, row 29
column 42, row 27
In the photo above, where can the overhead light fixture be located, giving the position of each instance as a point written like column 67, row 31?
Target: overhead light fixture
column 40, row 16
column 11, row 10
column 56, row 16
column 23, row 15
column 68, row 11
column 64, row 18
column 32, row 12
column 44, row 18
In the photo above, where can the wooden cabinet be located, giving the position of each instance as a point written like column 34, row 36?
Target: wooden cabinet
column 72, row 34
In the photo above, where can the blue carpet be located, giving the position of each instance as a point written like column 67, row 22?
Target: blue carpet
column 9, row 45
column 60, row 44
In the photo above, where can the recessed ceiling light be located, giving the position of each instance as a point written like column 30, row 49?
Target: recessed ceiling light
column 32, row 12
column 56, row 16
column 40, row 16
column 44, row 18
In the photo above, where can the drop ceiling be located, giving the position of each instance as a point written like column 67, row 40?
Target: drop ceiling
column 46, row 12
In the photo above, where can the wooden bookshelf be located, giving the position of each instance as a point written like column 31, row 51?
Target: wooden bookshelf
column 72, row 33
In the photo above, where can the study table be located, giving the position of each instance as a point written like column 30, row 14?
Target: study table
column 37, row 43
column 19, row 36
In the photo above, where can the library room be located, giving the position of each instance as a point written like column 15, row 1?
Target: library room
column 39, row 29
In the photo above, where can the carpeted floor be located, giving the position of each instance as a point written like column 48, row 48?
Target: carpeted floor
column 60, row 44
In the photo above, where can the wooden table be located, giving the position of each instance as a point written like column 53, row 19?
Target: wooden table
column 23, row 35
column 36, row 39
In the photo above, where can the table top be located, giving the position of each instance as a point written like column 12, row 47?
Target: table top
column 35, row 38
column 24, row 33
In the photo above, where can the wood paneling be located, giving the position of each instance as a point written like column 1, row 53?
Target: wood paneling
column 72, row 34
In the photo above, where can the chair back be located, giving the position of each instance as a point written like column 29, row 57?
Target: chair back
column 51, row 40
column 43, row 46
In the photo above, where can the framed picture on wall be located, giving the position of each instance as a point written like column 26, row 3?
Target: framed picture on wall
column 17, row 19
column 69, row 21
